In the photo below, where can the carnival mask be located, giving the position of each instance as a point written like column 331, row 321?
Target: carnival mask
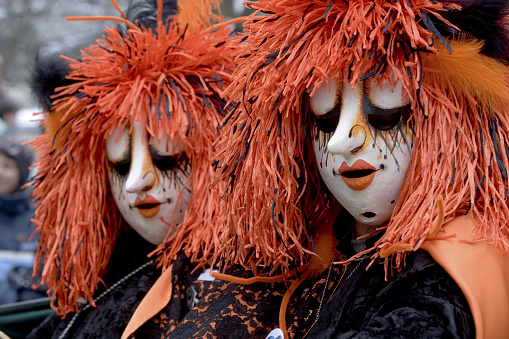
column 363, row 145
column 149, row 181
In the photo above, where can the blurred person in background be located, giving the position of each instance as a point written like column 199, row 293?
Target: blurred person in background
column 16, row 210
column 8, row 111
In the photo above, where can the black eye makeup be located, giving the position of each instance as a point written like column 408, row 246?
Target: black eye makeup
column 328, row 122
column 122, row 167
column 169, row 162
column 384, row 119
column 118, row 151
column 326, row 105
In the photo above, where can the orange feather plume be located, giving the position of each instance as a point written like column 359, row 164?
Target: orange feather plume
column 196, row 12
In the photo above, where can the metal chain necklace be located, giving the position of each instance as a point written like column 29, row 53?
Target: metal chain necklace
column 359, row 262
column 100, row 296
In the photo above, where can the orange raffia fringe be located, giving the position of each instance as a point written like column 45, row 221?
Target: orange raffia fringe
column 119, row 80
column 460, row 118
column 388, row 250
column 465, row 160
column 318, row 263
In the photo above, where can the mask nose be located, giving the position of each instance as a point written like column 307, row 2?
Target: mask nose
column 350, row 134
column 139, row 179
column 141, row 176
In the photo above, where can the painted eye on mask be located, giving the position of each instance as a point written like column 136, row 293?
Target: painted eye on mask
column 122, row 167
column 169, row 162
column 326, row 106
column 328, row 122
column 384, row 119
column 383, row 106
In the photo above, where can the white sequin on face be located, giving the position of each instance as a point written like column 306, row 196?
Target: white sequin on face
column 363, row 145
column 149, row 182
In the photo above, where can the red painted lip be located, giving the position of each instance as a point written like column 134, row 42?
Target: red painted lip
column 357, row 166
column 149, row 200
column 147, row 207
column 357, row 177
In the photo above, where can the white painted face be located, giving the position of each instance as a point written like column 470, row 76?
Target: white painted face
column 149, row 182
column 362, row 145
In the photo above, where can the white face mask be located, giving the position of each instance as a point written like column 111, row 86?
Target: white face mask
column 362, row 145
column 149, row 182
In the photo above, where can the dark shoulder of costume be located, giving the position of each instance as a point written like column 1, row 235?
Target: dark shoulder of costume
column 422, row 301
column 114, row 310
column 187, row 291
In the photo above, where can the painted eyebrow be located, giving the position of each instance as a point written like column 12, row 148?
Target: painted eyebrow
column 156, row 155
column 168, row 162
column 334, row 112
column 369, row 108
column 122, row 161
column 160, row 153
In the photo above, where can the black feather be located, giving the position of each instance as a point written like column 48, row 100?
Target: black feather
column 49, row 72
column 483, row 20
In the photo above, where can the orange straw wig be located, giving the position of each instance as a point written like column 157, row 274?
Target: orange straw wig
column 169, row 77
column 457, row 82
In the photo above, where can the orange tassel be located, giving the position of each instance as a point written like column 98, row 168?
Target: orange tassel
column 286, row 300
column 388, row 250
column 257, row 279
column 440, row 217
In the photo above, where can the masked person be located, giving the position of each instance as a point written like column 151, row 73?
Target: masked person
column 124, row 167
column 396, row 111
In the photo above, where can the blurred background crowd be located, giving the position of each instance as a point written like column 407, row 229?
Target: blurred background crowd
column 29, row 28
